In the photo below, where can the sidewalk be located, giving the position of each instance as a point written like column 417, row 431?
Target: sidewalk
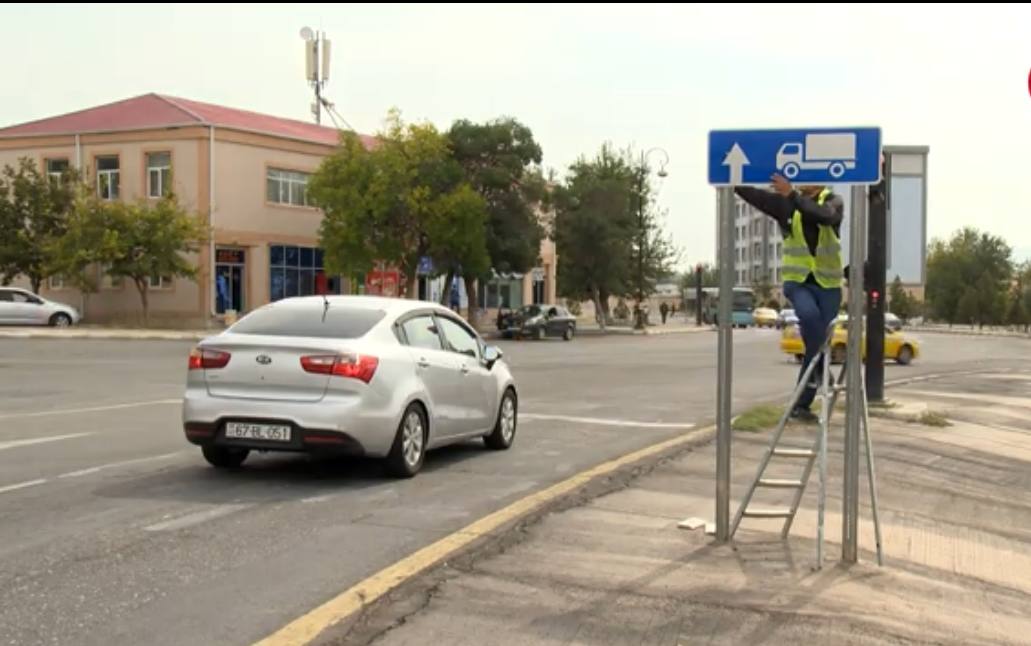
column 956, row 520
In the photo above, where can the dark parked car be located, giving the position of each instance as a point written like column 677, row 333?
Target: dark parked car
column 538, row 322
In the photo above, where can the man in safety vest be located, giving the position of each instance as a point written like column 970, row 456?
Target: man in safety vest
column 810, row 222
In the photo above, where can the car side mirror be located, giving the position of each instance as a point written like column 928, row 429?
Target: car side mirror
column 491, row 355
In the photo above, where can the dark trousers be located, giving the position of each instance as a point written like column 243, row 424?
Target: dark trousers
column 815, row 308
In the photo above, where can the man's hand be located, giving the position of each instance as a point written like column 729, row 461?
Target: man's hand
column 781, row 185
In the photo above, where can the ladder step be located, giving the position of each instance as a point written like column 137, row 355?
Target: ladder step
column 777, row 483
column 768, row 513
column 794, row 453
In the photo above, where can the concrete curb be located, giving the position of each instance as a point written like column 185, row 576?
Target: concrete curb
column 114, row 334
column 909, row 412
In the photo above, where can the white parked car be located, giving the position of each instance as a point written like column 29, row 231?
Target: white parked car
column 21, row 307
column 353, row 375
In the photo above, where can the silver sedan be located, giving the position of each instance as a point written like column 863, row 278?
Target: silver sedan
column 356, row 375
column 20, row 307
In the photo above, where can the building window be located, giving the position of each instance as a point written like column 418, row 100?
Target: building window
column 287, row 187
column 107, row 177
column 779, row 250
column 55, row 282
column 298, row 271
column 159, row 174
column 160, row 282
column 56, row 168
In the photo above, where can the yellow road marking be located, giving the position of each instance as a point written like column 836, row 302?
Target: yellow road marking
column 306, row 628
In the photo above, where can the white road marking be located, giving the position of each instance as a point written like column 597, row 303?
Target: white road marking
column 1020, row 402
column 38, row 440
column 87, row 471
column 196, row 518
column 322, row 498
column 604, row 422
column 92, row 409
column 22, row 485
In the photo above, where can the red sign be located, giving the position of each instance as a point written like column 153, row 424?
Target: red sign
column 383, row 283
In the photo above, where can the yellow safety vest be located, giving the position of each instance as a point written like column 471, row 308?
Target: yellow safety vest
column 798, row 263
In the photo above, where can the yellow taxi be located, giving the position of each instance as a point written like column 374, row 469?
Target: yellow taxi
column 764, row 317
column 898, row 345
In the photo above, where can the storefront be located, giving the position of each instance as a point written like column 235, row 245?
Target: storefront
column 230, row 270
column 298, row 271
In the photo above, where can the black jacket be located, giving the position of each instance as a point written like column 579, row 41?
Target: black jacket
column 782, row 209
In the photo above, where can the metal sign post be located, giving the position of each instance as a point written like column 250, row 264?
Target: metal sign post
column 724, row 385
column 854, row 404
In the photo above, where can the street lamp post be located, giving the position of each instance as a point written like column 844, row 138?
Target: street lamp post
column 642, row 233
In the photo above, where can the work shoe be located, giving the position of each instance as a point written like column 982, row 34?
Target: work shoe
column 804, row 415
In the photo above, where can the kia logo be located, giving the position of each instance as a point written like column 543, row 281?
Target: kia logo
column 263, row 359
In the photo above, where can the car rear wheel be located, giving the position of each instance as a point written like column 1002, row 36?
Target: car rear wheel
column 905, row 356
column 505, row 428
column 60, row 320
column 409, row 449
column 568, row 334
column 224, row 457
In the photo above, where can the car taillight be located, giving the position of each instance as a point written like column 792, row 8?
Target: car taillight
column 351, row 366
column 205, row 359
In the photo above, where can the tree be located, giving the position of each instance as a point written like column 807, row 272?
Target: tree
column 85, row 244
column 652, row 253
column 392, row 203
column 899, row 300
column 968, row 259
column 457, row 238
column 499, row 159
column 593, row 224
column 141, row 241
column 33, row 210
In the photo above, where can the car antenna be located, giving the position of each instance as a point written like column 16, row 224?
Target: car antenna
column 325, row 307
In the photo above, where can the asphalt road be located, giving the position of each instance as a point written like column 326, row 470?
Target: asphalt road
column 113, row 530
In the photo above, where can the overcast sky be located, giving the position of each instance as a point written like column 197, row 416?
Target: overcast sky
column 951, row 77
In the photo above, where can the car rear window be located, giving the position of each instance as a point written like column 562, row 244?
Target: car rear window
column 314, row 320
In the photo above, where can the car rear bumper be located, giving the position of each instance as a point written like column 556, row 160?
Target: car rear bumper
column 346, row 426
column 304, row 440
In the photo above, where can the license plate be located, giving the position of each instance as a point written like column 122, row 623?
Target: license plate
column 268, row 432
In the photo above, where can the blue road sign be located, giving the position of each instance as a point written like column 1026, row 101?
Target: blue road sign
column 816, row 156
column 425, row 266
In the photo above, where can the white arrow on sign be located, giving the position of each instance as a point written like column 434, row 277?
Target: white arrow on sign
column 737, row 160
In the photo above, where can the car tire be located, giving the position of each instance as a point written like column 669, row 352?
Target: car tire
column 223, row 457
column 540, row 333
column 503, row 435
column 60, row 320
column 569, row 333
column 409, row 449
column 905, row 356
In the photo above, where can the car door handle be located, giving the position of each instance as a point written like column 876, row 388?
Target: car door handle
column 423, row 363
column 464, row 369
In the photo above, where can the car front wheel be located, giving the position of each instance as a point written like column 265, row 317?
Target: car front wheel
column 504, row 431
column 60, row 320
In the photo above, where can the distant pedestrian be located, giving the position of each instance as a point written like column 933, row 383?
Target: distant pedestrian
column 664, row 311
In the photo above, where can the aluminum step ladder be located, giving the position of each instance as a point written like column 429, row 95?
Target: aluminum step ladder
column 811, row 455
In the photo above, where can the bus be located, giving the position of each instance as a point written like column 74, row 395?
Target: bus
column 743, row 304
